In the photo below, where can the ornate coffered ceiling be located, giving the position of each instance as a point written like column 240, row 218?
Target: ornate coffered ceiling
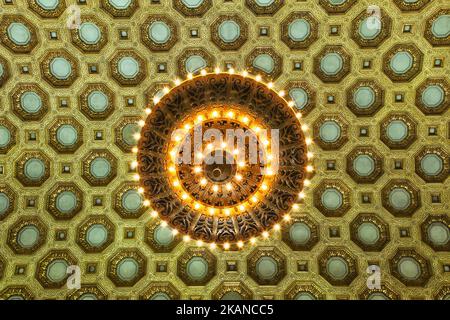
column 375, row 101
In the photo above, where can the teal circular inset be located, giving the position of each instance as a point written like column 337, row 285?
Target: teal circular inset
column 48, row 4
column 331, row 64
column 364, row 165
column 368, row 233
column 402, row 62
column 160, row 296
column 120, row 4
column 127, row 269
column 299, row 30
column 132, row 200
column 399, row 198
column 28, row 236
column 67, row 135
column 5, row 136
column 192, row 3
column 100, row 168
column 377, row 296
column 438, row 233
column 264, row 3
column 89, row 33
column 433, row 96
column 97, row 101
column 31, row 102
column 197, row 268
column 229, row 31
column 97, row 235
column 432, row 164
column 409, row 268
column 397, row 130
column 128, row 133
column 159, row 32
column 16, row 298
column 1, row 69
column 332, row 199
column 337, row 267
column 299, row 96
column 304, row 296
column 4, row 203
column 231, row 295
column 19, row 34
column 128, row 67
column 57, row 270
column 441, row 26
column 88, row 296
column 34, row 169
column 195, row 63
column 364, row 97
column 337, row 2
column 60, row 68
column 330, row 131
column 266, row 268
column 299, row 233
column 369, row 30
column 264, row 62
column 163, row 235
column 66, row 202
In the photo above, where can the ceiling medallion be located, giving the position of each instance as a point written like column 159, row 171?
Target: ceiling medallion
column 222, row 158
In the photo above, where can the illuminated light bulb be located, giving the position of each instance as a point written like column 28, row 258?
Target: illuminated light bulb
column 242, row 207
column 269, row 157
column 215, row 188
column 197, row 169
column 146, row 203
column 190, row 76
column 269, row 172
column 238, row 177
column 176, row 183
column 217, row 70
column 209, row 146
column 252, row 240
column 212, row 246
column 173, row 153
column 212, row 211
column 235, row 152
column 231, row 71
column 136, row 177
column 301, row 195
column 305, row 127
column 163, row 224
column 264, row 186
column 230, row 114
column 184, row 196
column 172, row 169
column 177, row 138
column 134, row 150
column 245, row 120
column 203, row 72
column 199, row 155
column 141, row 123
column 291, row 103
column 156, row 100
column 241, row 164
column 227, row 212
column 166, row 90
column 265, row 234
column 309, row 168
column 308, row 141
column 310, row 155
column 245, row 73
column 134, row 164
column 266, row 142
column 226, row 246
column 203, row 182
column 174, row 232
column 270, row 85
column 307, row 183
column 186, row 238
column 257, row 129
column 258, row 78
column 154, row 214
column 298, row 115
column 200, row 118
column 254, row 199
column 295, row 206
column 240, row 244
column 215, row 114
column 282, row 93
column 141, row 190
column 177, row 82
column 197, row 206
column 187, row 127
column 199, row 243
column 148, row 111
column 277, row 227
column 223, row 145
column 287, row 218
column 228, row 186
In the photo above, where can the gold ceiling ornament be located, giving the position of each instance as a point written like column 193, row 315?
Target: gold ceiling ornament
column 222, row 158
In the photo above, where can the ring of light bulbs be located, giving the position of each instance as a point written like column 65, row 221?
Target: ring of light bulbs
column 246, row 119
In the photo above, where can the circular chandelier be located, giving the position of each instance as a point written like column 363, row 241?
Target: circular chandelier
column 222, row 158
